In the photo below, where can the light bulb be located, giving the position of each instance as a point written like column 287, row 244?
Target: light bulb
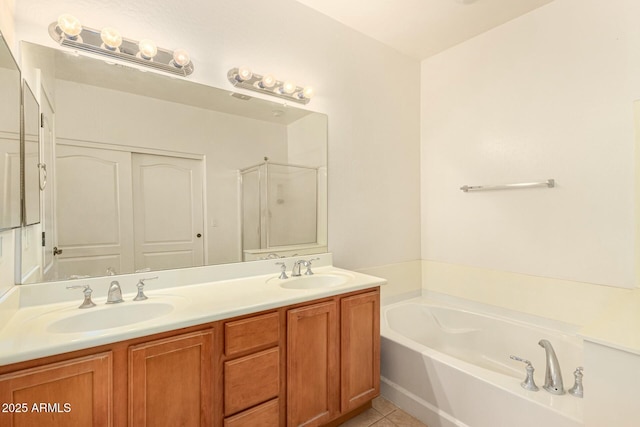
column 268, row 81
column 244, row 73
column 111, row 38
column 307, row 92
column 288, row 88
column 69, row 25
column 181, row 58
column 148, row 48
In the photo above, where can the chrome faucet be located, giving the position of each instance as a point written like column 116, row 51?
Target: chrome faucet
column 553, row 376
column 115, row 293
column 295, row 271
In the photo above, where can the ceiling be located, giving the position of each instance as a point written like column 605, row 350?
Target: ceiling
column 422, row 28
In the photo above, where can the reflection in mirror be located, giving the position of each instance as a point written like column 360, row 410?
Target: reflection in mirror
column 149, row 171
column 31, row 144
column 9, row 139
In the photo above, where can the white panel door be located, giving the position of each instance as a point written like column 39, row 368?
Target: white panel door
column 93, row 211
column 168, row 212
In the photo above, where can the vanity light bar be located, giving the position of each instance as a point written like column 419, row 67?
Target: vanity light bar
column 244, row 78
column 108, row 42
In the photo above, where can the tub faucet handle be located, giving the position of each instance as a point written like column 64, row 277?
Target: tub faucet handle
column 528, row 383
column 283, row 270
column 577, row 389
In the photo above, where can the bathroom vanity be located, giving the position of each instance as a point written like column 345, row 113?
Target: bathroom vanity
column 302, row 357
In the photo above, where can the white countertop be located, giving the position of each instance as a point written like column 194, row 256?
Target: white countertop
column 25, row 334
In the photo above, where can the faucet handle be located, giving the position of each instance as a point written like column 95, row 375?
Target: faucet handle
column 528, row 383
column 141, row 296
column 307, row 264
column 577, row 389
column 283, row 270
column 87, row 303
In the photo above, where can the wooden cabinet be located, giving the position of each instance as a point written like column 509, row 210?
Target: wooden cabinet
column 251, row 333
column 333, row 358
column 253, row 371
column 72, row 393
column 313, row 379
column 251, row 380
column 360, row 350
column 265, row 415
column 309, row 364
column 171, row 381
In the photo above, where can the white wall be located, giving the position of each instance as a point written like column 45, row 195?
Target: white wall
column 360, row 83
column 547, row 95
column 7, row 9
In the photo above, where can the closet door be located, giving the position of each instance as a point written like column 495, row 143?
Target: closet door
column 168, row 212
column 93, row 210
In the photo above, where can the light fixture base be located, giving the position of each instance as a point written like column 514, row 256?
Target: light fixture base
column 252, row 84
column 89, row 40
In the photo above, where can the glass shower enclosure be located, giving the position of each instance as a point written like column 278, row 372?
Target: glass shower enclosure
column 279, row 204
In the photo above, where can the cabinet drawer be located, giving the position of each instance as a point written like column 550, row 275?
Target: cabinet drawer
column 251, row 380
column 265, row 415
column 251, row 333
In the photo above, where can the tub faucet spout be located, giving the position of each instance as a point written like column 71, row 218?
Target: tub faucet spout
column 553, row 376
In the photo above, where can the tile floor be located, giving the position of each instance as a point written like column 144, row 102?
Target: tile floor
column 383, row 414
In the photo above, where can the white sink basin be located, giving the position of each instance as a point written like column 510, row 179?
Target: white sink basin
column 107, row 317
column 314, row 282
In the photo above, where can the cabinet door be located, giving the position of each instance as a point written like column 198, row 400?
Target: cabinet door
column 73, row 393
column 171, row 382
column 312, row 364
column 360, row 345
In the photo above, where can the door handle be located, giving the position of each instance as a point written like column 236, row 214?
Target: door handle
column 198, row 235
column 56, row 251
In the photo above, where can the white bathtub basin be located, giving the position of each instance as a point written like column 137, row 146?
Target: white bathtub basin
column 108, row 317
column 450, row 366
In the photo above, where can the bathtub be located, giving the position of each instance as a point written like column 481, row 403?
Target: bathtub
column 448, row 365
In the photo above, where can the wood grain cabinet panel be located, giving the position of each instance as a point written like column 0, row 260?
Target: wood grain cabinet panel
column 313, row 376
column 360, row 349
column 73, row 393
column 251, row 333
column 265, row 415
column 251, row 380
column 171, row 382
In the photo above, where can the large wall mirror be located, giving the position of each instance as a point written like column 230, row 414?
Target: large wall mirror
column 10, row 214
column 151, row 172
